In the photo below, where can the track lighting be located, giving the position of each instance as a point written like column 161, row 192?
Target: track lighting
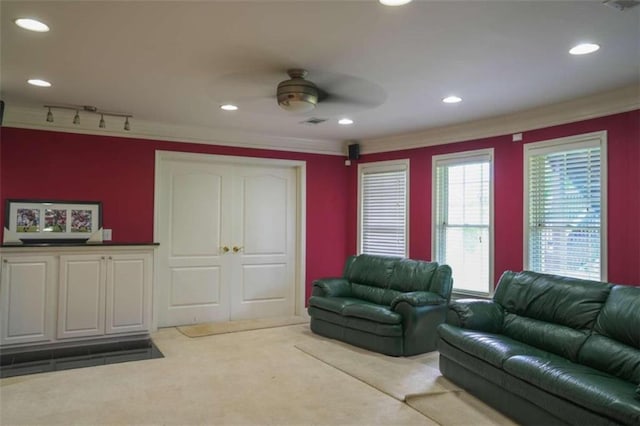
column 92, row 110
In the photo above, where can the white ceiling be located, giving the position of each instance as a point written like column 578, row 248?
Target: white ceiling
column 175, row 62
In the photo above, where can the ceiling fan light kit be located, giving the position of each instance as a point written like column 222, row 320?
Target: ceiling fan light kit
column 297, row 94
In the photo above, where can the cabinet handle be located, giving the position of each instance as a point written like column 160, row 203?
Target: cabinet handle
column 102, row 257
column 110, row 258
column 224, row 249
column 236, row 249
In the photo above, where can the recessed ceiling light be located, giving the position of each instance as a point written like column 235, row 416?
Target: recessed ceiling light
column 452, row 99
column 584, row 49
column 394, row 2
column 38, row 82
column 32, row 25
column 345, row 121
column 229, row 107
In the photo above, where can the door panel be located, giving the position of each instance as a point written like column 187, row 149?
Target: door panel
column 195, row 286
column 128, row 288
column 264, row 222
column 195, row 271
column 264, row 282
column 195, row 214
column 25, row 297
column 265, row 215
column 81, row 300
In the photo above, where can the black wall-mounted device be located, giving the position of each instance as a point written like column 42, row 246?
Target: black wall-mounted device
column 354, row 151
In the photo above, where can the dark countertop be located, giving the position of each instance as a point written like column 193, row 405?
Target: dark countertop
column 76, row 244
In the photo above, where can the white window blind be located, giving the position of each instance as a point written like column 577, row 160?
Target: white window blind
column 383, row 208
column 462, row 218
column 565, row 206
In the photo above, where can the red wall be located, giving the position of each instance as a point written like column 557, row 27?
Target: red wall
column 120, row 173
column 623, row 233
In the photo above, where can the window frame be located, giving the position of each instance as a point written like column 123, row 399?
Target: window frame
column 460, row 158
column 381, row 167
column 585, row 140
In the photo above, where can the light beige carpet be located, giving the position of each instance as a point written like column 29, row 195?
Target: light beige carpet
column 209, row 329
column 413, row 380
column 457, row 409
column 396, row 376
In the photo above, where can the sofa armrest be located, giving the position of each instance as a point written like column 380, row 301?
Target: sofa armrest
column 418, row 298
column 638, row 392
column 331, row 287
column 473, row 314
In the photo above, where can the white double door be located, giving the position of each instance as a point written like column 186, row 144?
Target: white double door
column 227, row 235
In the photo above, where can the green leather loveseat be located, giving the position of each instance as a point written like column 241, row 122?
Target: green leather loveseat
column 385, row 304
column 548, row 350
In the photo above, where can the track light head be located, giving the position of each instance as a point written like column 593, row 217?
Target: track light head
column 49, row 116
column 76, row 118
column 102, row 124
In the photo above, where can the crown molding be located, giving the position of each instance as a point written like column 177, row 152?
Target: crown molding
column 616, row 101
column 34, row 118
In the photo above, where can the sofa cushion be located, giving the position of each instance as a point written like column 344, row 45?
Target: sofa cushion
column 619, row 317
column 371, row 270
column 565, row 301
column 584, row 386
column 372, row 312
column 558, row 339
column 368, row 293
column 373, row 327
column 332, row 304
column 638, row 392
column 412, row 275
column 328, row 316
column 492, row 348
column 611, row 356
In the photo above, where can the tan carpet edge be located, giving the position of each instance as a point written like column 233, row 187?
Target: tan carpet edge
column 209, row 329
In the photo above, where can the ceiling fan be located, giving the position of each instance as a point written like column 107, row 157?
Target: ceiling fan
column 329, row 94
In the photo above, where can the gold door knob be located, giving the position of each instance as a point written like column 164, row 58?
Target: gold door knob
column 236, row 249
column 225, row 249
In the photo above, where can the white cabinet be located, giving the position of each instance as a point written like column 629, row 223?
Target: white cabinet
column 27, row 299
column 128, row 293
column 74, row 293
column 104, row 294
column 81, row 303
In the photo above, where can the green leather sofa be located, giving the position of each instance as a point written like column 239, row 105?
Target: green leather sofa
column 548, row 350
column 385, row 304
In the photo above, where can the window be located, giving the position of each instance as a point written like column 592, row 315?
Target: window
column 463, row 218
column 382, row 212
column 565, row 214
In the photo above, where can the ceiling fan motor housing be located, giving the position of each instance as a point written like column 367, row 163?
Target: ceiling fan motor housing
column 297, row 94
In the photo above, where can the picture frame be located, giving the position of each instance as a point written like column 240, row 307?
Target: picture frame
column 52, row 221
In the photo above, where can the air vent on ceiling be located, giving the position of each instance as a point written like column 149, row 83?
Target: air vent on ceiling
column 621, row 4
column 314, row 121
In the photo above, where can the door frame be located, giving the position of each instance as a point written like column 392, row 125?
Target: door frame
column 301, row 213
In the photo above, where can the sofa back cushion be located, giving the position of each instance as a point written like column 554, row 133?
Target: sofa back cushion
column 550, row 312
column 412, row 275
column 559, row 300
column 614, row 346
column 370, row 270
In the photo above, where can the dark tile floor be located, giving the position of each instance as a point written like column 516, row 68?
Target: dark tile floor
column 40, row 361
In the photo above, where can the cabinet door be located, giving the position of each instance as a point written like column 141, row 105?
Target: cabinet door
column 27, row 299
column 128, row 293
column 81, row 296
